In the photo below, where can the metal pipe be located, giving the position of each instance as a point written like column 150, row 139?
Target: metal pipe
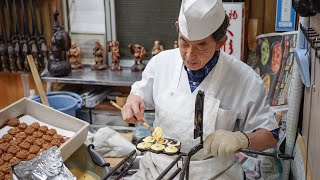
column 174, row 174
column 119, row 165
column 25, row 84
column 108, row 21
column 65, row 17
column 113, row 20
column 185, row 168
column 169, row 167
column 123, row 172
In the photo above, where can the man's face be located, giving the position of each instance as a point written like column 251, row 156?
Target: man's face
column 196, row 54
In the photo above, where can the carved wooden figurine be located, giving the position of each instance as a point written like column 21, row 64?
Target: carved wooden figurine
column 74, row 56
column 98, row 57
column 60, row 43
column 157, row 48
column 138, row 53
column 114, row 48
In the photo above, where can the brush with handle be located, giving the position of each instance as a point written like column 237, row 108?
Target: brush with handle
column 144, row 123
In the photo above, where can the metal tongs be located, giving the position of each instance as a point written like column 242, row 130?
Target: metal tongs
column 124, row 166
column 198, row 132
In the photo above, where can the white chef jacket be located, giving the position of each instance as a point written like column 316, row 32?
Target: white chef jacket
column 241, row 91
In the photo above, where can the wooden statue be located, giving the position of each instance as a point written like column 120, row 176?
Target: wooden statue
column 175, row 45
column 157, row 48
column 60, row 43
column 138, row 53
column 98, row 57
column 114, row 48
column 74, row 56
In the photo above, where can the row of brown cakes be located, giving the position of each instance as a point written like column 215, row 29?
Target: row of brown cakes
column 24, row 142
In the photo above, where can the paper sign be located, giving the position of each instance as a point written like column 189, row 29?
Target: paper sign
column 285, row 17
column 235, row 32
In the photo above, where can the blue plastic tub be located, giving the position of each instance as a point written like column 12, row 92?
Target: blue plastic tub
column 64, row 101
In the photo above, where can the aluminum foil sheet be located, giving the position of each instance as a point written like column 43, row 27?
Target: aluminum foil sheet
column 47, row 166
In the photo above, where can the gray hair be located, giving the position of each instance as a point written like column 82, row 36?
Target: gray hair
column 222, row 30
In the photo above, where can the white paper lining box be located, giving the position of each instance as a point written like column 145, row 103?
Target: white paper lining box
column 51, row 117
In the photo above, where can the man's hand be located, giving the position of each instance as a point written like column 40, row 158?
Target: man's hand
column 133, row 110
column 223, row 143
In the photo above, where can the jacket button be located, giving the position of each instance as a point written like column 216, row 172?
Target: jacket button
column 171, row 94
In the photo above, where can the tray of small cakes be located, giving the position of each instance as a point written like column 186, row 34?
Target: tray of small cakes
column 28, row 128
column 24, row 138
column 157, row 144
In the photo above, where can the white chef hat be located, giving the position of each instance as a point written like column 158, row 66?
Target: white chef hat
column 199, row 19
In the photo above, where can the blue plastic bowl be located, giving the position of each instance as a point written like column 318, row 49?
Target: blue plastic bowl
column 64, row 101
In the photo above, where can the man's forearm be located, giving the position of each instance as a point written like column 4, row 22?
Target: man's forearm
column 261, row 140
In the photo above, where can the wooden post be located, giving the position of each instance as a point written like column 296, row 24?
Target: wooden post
column 37, row 80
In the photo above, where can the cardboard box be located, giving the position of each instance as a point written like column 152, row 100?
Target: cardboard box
column 52, row 117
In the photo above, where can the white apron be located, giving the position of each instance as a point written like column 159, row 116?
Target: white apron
column 176, row 114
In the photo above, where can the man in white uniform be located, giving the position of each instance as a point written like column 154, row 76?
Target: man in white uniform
column 236, row 114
